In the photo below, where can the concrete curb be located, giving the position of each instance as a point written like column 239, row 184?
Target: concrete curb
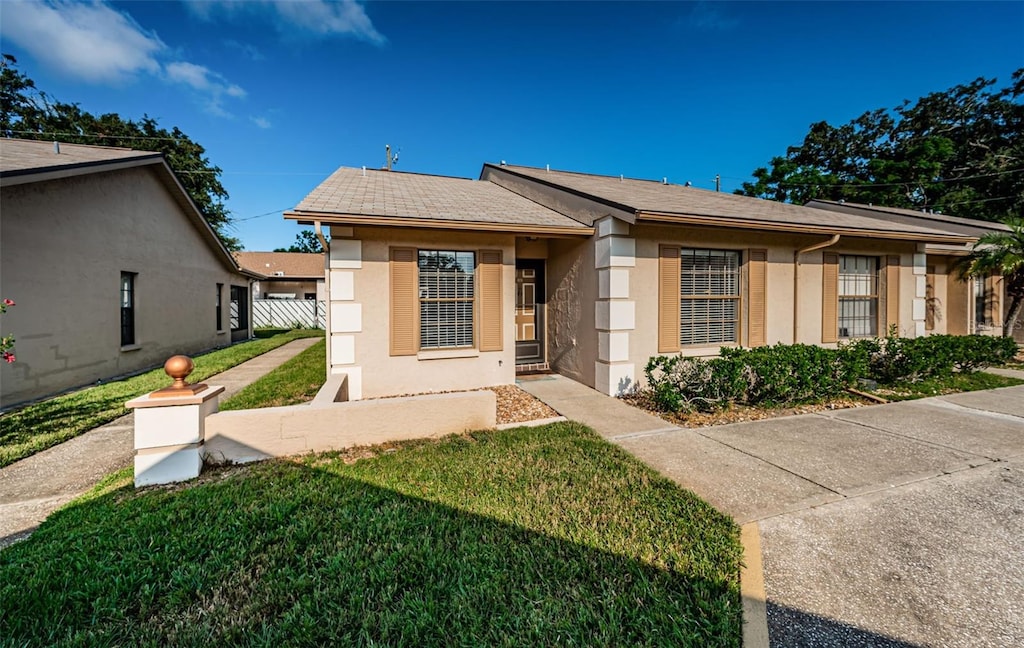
column 533, row 423
column 755, row 603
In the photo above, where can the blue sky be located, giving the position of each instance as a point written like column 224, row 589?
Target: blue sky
column 282, row 93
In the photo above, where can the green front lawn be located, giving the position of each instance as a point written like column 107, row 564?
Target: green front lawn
column 36, row 427
column 296, row 381
column 527, row 537
column 961, row 382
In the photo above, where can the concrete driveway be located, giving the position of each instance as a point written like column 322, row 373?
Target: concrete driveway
column 892, row 525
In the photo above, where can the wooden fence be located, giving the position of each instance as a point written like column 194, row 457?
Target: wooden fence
column 289, row 313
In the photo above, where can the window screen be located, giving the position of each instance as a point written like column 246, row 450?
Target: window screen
column 446, row 290
column 709, row 304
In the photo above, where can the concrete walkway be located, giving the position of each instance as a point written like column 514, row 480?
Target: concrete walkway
column 36, row 486
column 891, row 525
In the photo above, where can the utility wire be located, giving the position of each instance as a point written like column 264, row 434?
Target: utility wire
column 248, row 218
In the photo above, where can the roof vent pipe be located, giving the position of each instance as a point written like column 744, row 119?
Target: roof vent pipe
column 664, row 180
column 364, row 170
column 620, row 177
column 547, row 167
column 56, row 147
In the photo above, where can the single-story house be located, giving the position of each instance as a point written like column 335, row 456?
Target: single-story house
column 289, row 275
column 952, row 306
column 440, row 283
column 111, row 265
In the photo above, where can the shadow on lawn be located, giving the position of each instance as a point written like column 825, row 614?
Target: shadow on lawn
column 298, row 555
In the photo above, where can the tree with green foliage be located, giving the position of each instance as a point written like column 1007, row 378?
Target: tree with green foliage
column 28, row 113
column 1001, row 253
column 305, row 241
column 960, row 151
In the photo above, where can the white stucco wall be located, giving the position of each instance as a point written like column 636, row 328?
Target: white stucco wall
column 360, row 315
column 64, row 246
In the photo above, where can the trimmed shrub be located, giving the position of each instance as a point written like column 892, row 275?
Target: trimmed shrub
column 895, row 359
column 789, row 374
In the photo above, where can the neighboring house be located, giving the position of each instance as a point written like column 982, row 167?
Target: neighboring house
column 439, row 283
column 111, row 265
column 289, row 275
column 952, row 305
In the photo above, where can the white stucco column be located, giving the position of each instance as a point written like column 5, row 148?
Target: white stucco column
column 170, row 427
column 614, row 312
column 345, row 320
column 920, row 289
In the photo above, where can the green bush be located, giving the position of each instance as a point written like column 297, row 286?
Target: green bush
column 895, row 359
column 788, row 374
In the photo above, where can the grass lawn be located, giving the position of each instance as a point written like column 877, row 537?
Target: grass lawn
column 296, row 381
column 528, row 537
column 949, row 385
column 41, row 425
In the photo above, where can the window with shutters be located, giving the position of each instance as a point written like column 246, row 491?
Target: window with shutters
column 446, row 293
column 709, row 296
column 858, row 296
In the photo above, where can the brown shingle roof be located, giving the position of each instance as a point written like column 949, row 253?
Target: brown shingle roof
column 25, row 157
column 294, row 265
column 938, row 220
column 397, row 195
column 653, row 197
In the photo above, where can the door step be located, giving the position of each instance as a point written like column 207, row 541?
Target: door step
column 532, row 367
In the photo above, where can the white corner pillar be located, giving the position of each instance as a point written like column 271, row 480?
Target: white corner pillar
column 614, row 312
column 920, row 290
column 169, row 434
column 345, row 319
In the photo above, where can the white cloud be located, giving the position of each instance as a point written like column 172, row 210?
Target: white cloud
column 344, row 18
column 96, row 43
column 247, row 50
column 90, row 41
column 212, row 85
column 706, row 17
column 261, row 122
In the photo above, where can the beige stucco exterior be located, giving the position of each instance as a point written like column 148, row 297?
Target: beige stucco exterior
column 65, row 244
column 601, row 300
column 359, row 317
column 603, row 270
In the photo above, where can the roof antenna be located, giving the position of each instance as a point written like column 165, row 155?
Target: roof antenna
column 389, row 158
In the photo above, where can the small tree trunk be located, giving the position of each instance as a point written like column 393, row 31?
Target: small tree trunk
column 1012, row 314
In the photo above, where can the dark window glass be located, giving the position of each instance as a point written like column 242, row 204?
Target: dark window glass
column 127, row 308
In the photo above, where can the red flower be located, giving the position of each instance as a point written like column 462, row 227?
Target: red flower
column 8, row 302
column 8, row 357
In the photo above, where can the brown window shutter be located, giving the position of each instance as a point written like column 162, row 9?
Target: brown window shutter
column 489, row 300
column 829, row 297
column 892, row 294
column 757, row 279
column 668, row 299
column 404, row 302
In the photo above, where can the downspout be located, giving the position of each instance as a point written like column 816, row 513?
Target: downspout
column 796, row 280
column 327, row 293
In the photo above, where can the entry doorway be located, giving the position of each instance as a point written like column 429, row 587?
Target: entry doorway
column 530, row 301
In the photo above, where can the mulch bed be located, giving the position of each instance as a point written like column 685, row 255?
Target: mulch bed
column 742, row 413
column 516, row 406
